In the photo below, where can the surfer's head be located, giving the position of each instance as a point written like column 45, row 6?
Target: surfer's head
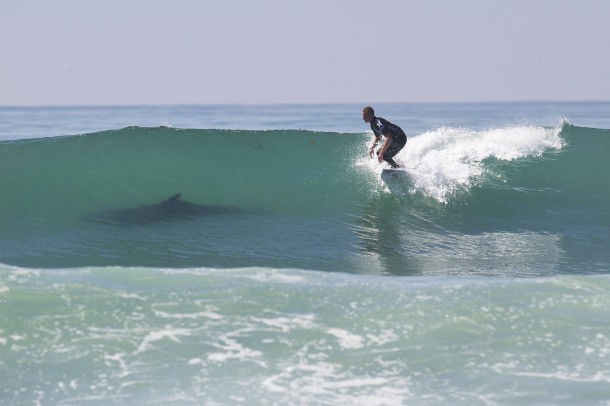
column 368, row 114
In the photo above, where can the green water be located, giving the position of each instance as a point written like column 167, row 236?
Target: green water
column 472, row 200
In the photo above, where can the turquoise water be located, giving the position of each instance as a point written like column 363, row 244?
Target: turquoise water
column 290, row 271
column 260, row 336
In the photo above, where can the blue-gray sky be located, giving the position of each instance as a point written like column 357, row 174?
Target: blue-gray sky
column 100, row 52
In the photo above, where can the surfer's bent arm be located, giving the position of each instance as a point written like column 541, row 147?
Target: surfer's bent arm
column 375, row 141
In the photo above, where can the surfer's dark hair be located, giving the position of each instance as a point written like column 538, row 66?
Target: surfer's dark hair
column 368, row 110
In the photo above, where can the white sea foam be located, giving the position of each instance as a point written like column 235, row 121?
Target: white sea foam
column 209, row 314
column 170, row 333
column 286, row 324
column 231, row 349
column 275, row 276
column 323, row 379
column 441, row 161
column 347, row 339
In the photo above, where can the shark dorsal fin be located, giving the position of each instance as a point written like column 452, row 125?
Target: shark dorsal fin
column 172, row 199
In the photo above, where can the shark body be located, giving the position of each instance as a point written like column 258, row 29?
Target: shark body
column 171, row 209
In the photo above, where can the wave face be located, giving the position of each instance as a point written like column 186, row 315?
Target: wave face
column 522, row 200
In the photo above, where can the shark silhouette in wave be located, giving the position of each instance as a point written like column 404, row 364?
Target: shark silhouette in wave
column 173, row 208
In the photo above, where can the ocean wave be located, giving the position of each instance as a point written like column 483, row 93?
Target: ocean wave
column 187, row 197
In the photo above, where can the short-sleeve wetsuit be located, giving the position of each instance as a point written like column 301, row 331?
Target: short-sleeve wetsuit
column 381, row 126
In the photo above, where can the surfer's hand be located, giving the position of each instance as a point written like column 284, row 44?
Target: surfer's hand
column 380, row 158
column 371, row 151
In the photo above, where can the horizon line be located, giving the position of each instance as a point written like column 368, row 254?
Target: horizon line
column 246, row 104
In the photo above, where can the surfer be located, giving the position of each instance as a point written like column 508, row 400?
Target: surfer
column 395, row 137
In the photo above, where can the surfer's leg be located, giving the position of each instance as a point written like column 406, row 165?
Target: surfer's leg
column 390, row 153
column 391, row 162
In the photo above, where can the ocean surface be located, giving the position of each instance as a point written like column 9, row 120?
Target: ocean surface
column 256, row 255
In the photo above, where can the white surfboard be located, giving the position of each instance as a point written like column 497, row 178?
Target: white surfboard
column 397, row 181
column 389, row 174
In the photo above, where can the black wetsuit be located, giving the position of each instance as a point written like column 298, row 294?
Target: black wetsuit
column 381, row 126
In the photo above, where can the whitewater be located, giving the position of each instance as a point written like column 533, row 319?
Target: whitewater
column 289, row 271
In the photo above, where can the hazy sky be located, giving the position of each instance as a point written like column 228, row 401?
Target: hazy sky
column 94, row 52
